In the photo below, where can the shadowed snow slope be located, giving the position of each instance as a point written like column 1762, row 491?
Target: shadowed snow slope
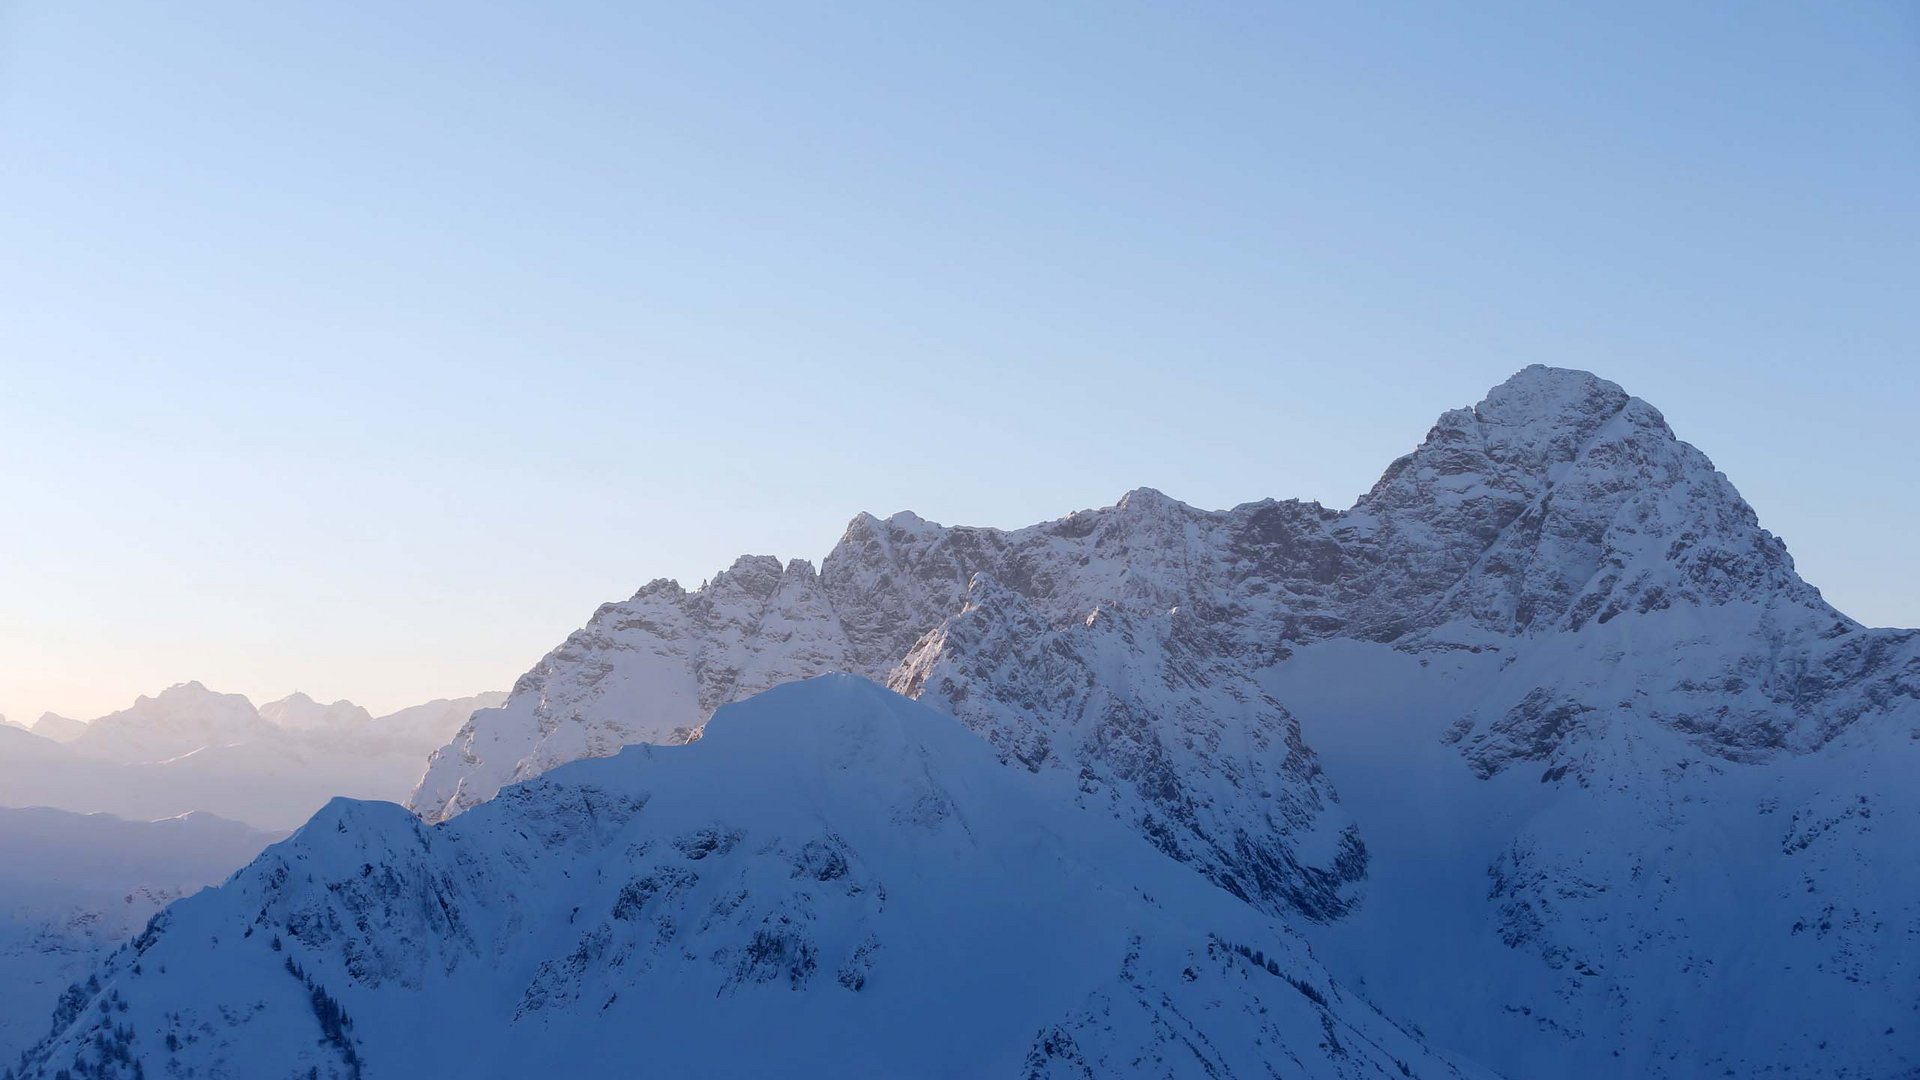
column 75, row 886
column 1627, row 905
column 835, row 881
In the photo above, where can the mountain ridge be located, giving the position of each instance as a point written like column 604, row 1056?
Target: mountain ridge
column 1614, row 621
column 1543, row 744
column 848, row 874
column 1500, row 525
column 190, row 748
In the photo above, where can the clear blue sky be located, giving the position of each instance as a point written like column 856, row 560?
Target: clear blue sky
column 365, row 348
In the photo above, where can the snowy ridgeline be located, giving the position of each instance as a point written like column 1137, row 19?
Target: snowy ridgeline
column 1543, row 746
column 836, row 881
column 1557, row 505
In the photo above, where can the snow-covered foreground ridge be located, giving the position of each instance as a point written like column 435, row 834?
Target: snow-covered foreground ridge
column 837, row 881
column 73, row 887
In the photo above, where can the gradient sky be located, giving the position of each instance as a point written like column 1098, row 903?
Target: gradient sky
column 364, row 349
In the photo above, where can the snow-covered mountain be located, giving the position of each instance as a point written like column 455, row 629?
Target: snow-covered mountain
column 58, row 728
column 1557, row 503
column 179, row 720
column 74, row 887
column 1583, row 672
column 298, row 712
column 192, row 749
column 835, row 881
column 1543, row 746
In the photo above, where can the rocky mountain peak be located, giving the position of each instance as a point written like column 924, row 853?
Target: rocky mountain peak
column 1548, row 410
column 180, row 719
column 660, row 587
column 1556, row 503
column 750, row 575
column 1556, row 500
column 1149, row 501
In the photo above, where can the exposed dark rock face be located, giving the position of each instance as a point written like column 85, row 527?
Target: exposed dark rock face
column 1157, row 723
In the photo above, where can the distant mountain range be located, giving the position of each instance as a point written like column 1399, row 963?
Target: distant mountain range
column 1539, row 761
column 191, row 749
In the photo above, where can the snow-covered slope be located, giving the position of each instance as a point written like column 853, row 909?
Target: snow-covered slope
column 75, row 882
column 835, row 881
column 1631, row 906
column 74, row 887
column 1155, row 725
column 1555, row 613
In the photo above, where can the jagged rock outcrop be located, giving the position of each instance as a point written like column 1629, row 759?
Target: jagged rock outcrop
column 1156, row 725
column 1557, row 503
column 649, row 669
column 1557, row 500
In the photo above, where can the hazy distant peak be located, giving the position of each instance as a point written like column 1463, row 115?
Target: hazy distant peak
column 58, row 728
column 432, row 723
column 298, row 712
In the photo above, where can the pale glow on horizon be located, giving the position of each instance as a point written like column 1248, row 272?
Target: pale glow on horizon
column 367, row 352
